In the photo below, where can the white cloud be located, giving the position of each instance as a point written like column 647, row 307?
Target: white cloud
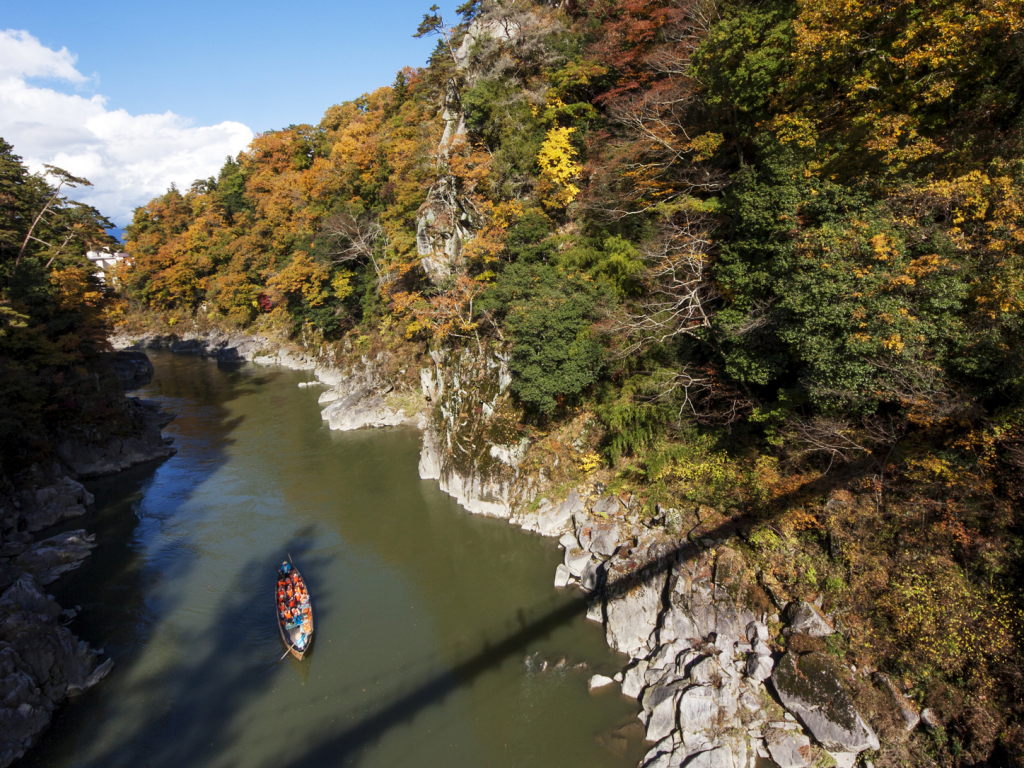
column 22, row 55
column 130, row 159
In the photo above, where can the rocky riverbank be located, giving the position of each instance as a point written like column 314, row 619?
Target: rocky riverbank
column 41, row 662
column 723, row 680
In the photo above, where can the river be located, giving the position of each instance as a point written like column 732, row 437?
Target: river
column 432, row 625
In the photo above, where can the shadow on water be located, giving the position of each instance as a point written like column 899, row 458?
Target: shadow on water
column 344, row 746
column 223, row 668
column 115, row 586
column 227, row 664
column 203, row 428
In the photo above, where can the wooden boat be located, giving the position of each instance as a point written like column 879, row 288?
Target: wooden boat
column 297, row 635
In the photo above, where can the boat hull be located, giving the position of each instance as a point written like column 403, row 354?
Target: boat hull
column 290, row 637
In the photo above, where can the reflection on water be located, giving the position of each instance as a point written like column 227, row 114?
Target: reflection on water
column 425, row 614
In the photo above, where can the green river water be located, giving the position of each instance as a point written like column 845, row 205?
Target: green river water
column 425, row 614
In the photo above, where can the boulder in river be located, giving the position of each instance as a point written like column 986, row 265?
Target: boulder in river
column 598, row 681
column 808, row 686
column 562, row 576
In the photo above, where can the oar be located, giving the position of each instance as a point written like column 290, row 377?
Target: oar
column 288, row 650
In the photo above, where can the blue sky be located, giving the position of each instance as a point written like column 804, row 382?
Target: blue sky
column 135, row 95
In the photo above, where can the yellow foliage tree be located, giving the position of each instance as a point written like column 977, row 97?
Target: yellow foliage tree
column 558, row 169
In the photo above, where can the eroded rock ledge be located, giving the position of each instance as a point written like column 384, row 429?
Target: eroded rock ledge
column 41, row 662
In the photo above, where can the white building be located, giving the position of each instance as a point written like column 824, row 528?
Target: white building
column 105, row 261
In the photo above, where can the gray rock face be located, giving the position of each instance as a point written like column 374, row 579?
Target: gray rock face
column 576, row 562
column 809, row 687
column 444, row 223
column 360, row 410
column 789, row 749
column 88, row 460
column 43, row 507
column 132, row 368
column 51, row 558
column 443, row 226
column 224, row 347
column 356, row 399
column 698, row 709
column 662, row 719
column 757, row 631
column 633, row 680
column 90, row 455
column 569, row 542
column 759, row 667
column 632, row 618
column 590, row 579
column 430, row 456
column 606, row 506
column 605, row 540
column 805, row 618
column 719, row 757
column 485, row 478
column 911, row 717
column 40, row 663
column 554, row 521
column 562, row 576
